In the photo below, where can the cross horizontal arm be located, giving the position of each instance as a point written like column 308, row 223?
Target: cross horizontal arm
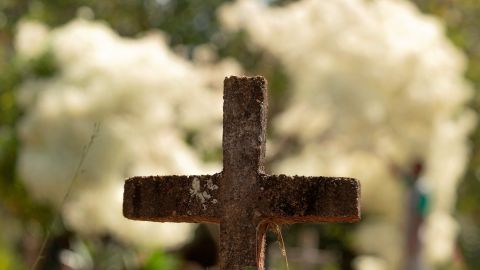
column 172, row 198
column 293, row 199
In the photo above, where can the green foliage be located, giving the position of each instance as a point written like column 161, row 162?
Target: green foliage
column 8, row 260
column 43, row 66
column 12, row 193
column 160, row 260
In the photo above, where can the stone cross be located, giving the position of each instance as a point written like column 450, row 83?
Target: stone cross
column 242, row 198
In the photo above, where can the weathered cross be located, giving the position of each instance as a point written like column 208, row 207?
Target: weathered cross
column 242, row 198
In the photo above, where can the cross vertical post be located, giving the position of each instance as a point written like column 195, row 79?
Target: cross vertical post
column 244, row 128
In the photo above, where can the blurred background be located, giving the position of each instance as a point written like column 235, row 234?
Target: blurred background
column 93, row 92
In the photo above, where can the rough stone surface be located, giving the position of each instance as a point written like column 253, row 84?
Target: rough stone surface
column 173, row 198
column 293, row 199
column 242, row 198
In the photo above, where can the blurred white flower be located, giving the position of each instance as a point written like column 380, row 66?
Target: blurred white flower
column 159, row 114
column 375, row 85
column 439, row 233
column 31, row 39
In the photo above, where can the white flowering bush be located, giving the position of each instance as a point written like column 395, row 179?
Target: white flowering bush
column 158, row 113
column 375, row 87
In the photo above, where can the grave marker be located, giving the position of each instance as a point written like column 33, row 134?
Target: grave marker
column 242, row 198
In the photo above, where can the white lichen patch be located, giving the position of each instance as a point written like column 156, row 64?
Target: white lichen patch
column 206, row 195
column 203, row 196
column 211, row 185
column 195, row 190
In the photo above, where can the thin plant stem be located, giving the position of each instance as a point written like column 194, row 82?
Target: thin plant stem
column 264, row 227
column 57, row 215
column 278, row 232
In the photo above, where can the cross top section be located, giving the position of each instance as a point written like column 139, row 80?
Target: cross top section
column 244, row 124
column 242, row 198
